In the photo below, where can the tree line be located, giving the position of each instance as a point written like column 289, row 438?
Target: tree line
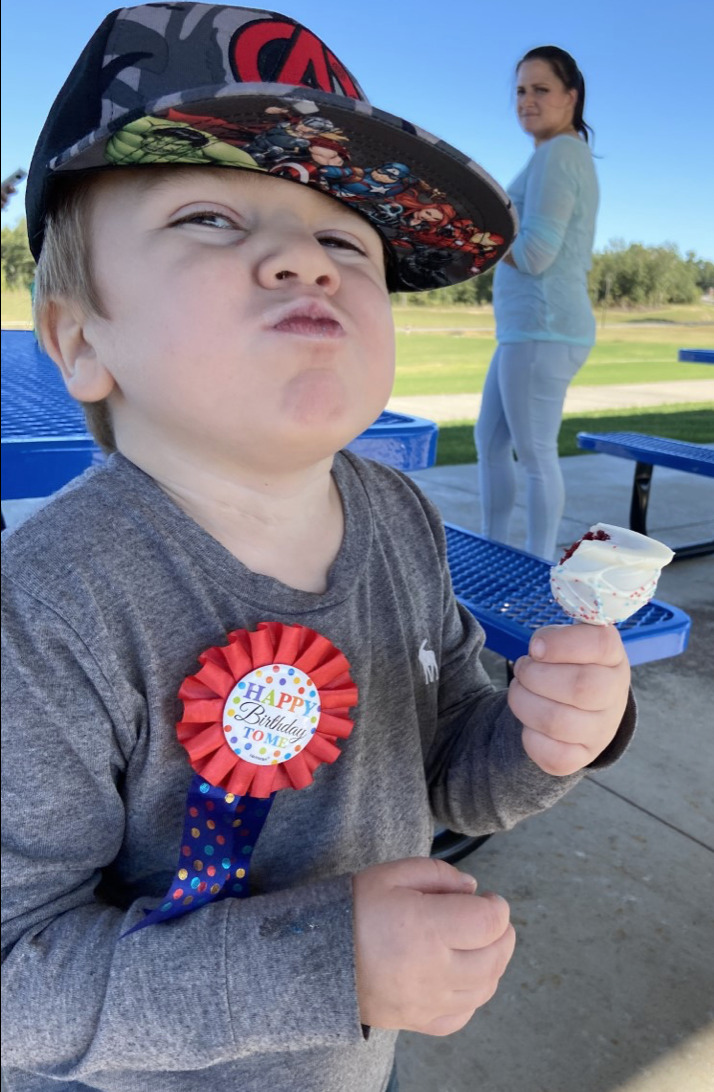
column 622, row 275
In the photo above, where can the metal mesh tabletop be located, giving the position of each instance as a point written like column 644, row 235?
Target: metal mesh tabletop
column 508, row 591
column 35, row 403
column 45, row 442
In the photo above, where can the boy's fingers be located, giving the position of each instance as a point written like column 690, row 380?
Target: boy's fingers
column 555, row 757
column 580, row 686
column 427, row 874
column 569, row 723
column 475, row 978
column 465, row 923
column 470, row 968
column 560, row 722
column 577, row 644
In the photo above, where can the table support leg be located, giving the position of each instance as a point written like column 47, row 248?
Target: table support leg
column 638, row 514
column 640, row 497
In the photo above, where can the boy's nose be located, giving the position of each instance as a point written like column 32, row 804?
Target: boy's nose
column 301, row 259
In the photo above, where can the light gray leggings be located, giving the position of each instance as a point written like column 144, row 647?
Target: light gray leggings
column 521, row 410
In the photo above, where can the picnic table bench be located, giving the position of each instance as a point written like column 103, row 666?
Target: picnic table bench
column 696, row 356
column 648, row 452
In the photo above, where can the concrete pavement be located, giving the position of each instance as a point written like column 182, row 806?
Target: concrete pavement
column 611, row 988
column 465, row 407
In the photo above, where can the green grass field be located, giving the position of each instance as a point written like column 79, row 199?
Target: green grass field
column 442, row 351
column 446, row 364
column 449, row 363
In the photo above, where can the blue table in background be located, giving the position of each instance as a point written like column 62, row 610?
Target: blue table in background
column 400, row 440
column 696, row 356
column 45, row 442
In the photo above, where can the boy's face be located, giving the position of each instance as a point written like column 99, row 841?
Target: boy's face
column 248, row 318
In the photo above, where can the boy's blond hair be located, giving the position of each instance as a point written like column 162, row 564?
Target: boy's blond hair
column 64, row 271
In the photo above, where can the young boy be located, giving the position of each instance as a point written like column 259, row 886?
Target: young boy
column 218, row 298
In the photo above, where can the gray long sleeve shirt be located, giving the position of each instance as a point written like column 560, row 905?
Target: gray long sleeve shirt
column 110, row 594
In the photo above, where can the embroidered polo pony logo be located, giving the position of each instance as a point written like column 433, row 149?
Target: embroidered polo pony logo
column 427, row 659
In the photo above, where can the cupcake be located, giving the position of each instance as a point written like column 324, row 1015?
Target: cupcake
column 608, row 574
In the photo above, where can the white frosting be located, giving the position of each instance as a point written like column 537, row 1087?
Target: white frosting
column 605, row 581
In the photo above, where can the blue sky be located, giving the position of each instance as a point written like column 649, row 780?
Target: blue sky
column 448, row 67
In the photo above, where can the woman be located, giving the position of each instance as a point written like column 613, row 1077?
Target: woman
column 544, row 322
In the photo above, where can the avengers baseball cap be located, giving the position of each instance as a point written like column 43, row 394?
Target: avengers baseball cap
column 224, row 86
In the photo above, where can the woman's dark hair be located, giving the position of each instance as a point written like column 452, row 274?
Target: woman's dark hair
column 565, row 68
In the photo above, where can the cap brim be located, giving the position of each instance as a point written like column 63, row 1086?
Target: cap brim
column 443, row 217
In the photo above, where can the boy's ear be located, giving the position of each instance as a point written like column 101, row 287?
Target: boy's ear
column 62, row 329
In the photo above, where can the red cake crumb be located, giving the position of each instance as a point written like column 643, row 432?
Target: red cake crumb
column 600, row 536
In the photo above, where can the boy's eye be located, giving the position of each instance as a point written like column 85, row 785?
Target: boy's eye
column 342, row 242
column 207, row 218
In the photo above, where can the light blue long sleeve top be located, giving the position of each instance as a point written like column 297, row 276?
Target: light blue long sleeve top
column 545, row 298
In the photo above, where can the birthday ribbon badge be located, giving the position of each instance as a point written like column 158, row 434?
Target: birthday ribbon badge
column 262, row 713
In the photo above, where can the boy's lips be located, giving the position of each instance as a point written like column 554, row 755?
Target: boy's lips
column 308, row 318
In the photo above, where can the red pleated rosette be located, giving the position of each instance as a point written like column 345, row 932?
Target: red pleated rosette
column 266, row 709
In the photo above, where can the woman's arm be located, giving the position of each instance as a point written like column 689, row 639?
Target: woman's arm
column 552, row 191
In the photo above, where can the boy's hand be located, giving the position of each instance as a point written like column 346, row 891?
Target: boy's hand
column 570, row 693
column 428, row 951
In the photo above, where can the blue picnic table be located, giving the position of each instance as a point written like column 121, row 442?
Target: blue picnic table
column 696, row 356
